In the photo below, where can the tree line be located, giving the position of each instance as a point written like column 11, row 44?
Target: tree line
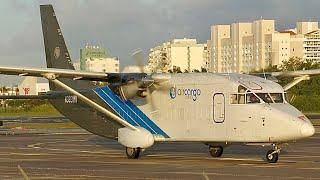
column 305, row 95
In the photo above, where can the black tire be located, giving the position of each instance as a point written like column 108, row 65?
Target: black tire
column 272, row 158
column 215, row 151
column 133, row 153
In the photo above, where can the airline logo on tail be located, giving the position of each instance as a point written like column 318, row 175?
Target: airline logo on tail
column 56, row 52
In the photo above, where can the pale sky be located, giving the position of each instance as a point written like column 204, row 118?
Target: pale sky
column 124, row 25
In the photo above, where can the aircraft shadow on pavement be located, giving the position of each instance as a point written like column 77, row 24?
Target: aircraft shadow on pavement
column 181, row 148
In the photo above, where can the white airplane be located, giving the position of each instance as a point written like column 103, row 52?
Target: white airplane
column 139, row 110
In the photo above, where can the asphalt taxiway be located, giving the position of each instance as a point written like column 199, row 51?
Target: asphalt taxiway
column 76, row 154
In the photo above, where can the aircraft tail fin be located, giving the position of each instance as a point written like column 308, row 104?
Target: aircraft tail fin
column 57, row 54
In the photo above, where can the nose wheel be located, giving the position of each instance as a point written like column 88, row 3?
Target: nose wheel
column 272, row 155
column 133, row 153
column 215, row 151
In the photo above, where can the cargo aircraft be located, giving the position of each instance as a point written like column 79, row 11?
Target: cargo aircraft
column 140, row 109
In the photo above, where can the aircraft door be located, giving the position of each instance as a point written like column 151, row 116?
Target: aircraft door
column 218, row 107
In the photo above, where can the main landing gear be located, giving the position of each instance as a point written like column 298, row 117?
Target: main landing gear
column 215, row 151
column 272, row 155
column 133, row 153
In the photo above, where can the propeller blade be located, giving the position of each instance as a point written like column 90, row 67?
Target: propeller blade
column 150, row 100
column 138, row 58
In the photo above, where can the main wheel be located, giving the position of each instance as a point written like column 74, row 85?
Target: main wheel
column 215, row 151
column 133, row 153
column 272, row 157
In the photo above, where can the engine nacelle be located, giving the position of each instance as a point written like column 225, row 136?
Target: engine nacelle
column 134, row 139
column 130, row 90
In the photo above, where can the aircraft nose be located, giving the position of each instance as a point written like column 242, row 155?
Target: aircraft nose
column 307, row 130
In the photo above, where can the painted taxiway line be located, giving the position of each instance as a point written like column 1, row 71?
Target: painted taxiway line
column 311, row 168
column 299, row 157
column 200, row 174
column 235, row 159
column 75, row 151
column 243, row 175
column 30, row 154
column 49, row 134
column 246, row 164
column 264, row 166
column 118, row 154
column 272, row 166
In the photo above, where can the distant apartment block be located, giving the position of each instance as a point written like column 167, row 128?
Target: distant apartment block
column 95, row 59
column 246, row 46
column 185, row 54
column 110, row 65
column 305, row 41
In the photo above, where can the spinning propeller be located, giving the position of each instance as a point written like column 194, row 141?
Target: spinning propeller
column 148, row 84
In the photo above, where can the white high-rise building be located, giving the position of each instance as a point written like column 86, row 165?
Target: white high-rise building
column 110, row 65
column 305, row 43
column 246, row 46
column 96, row 59
column 241, row 47
column 185, row 54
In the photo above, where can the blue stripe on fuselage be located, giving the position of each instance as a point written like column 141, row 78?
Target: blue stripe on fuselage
column 128, row 111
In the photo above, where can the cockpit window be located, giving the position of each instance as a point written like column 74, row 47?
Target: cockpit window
column 244, row 97
column 241, row 89
column 252, row 99
column 265, row 97
column 277, row 97
column 237, row 99
column 286, row 96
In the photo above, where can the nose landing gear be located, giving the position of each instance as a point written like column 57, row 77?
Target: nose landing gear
column 272, row 155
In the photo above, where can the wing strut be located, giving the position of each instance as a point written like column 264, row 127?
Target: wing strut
column 91, row 103
column 296, row 81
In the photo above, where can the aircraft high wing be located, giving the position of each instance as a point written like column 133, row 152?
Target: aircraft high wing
column 299, row 73
column 298, row 76
column 53, row 73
